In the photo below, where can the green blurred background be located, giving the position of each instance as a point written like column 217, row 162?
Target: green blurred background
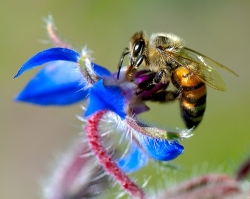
column 31, row 137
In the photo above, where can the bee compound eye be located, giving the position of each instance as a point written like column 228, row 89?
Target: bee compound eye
column 138, row 48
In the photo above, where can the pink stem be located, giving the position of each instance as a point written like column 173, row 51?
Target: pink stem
column 105, row 159
column 207, row 186
column 57, row 41
column 244, row 170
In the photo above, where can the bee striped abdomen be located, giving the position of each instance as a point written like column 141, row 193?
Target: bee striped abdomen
column 193, row 105
column 193, row 97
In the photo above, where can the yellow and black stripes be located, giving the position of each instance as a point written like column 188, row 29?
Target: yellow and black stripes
column 193, row 96
column 193, row 105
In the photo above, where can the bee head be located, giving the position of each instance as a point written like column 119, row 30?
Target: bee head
column 137, row 48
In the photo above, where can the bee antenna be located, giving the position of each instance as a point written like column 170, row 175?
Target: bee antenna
column 124, row 53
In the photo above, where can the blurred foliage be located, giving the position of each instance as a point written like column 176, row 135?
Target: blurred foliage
column 30, row 136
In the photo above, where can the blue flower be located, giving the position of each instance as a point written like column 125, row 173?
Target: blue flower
column 69, row 78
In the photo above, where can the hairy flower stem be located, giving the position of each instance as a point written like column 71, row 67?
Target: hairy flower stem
column 210, row 186
column 106, row 160
column 243, row 170
column 57, row 41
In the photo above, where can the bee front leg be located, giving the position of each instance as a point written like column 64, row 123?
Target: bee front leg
column 156, row 80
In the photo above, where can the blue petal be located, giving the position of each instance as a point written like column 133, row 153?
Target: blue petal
column 100, row 71
column 104, row 97
column 59, row 83
column 52, row 54
column 162, row 150
column 134, row 160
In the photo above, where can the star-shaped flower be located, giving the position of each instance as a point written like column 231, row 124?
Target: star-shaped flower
column 112, row 106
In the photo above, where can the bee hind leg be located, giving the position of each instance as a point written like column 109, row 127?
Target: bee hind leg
column 164, row 96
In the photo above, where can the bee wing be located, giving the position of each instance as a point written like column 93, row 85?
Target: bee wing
column 204, row 68
column 208, row 61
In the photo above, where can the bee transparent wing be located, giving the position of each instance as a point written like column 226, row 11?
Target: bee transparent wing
column 206, row 60
column 204, row 68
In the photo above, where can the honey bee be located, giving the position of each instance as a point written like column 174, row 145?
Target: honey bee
column 189, row 72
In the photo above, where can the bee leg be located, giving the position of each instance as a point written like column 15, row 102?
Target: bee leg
column 158, row 77
column 165, row 96
column 149, row 87
column 156, row 80
column 124, row 53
